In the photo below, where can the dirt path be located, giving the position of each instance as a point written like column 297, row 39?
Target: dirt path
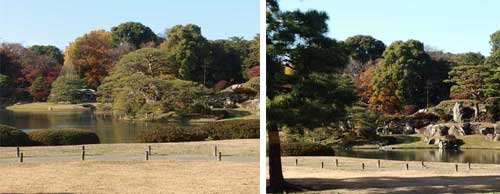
column 392, row 177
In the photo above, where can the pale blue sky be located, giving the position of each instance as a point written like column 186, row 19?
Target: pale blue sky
column 450, row 25
column 58, row 22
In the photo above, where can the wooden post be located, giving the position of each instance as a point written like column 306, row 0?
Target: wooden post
column 322, row 165
column 83, row 155
column 147, row 155
column 220, row 156
column 83, row 148
column 17, row 151
column 21, row 157
column 215, row 151
column 362, row 166
column 468, row 164
column 296, row 162
column 378, row 164
column 423, row 166
column 149, row 150
column 407, row 167
column 336, row 162
column 456, row 167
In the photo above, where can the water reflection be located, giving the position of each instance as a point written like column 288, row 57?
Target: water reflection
column 488, row 156
column 110, row 130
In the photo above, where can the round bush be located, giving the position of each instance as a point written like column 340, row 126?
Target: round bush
column 305, row 149
column 54, row 137
column 10, row 136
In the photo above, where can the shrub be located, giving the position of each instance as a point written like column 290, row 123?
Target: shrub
column 174, row 134
column 54, row 137
column 493, row 109
column 423, row 119
column 232, row 129
column 305, row 149
column 10, row 136
column 410, row 109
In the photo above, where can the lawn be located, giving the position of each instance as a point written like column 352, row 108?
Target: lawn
column 45, row 106
column 470, row 142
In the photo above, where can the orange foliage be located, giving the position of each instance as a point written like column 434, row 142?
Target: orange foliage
column 385, row 102
column 90, row 56
column 364, row 84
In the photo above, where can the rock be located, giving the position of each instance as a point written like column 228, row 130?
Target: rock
column 437, row 130
column 457, row 115
column 486, row 130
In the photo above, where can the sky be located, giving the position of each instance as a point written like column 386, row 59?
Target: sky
column 57, row 22
column 455, row 26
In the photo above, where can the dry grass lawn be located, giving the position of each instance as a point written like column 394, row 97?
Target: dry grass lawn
column 130, row 177
column 392, row 177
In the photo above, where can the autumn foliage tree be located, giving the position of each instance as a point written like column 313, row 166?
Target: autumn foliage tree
column 90, row 56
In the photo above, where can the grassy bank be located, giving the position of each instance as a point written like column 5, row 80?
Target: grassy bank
column 45, row 106
column 391, row 177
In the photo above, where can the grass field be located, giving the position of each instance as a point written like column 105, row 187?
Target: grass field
column 392, row 177
column 45, row 106
column 188, row 167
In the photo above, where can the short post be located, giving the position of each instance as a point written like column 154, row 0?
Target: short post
column 83, row 154
column 456, row 167
column 220, row 156
column 378, row 164
column 336, row 162
column 147, row 155
column 149, row 150
column 83, row 148
column 296, row 162
column 468, row 164
column 322, row 165
column 423, row 166
column 17, row 153
column 362, row 166
column 215, row 151
column 407, row 167
column 21, row 157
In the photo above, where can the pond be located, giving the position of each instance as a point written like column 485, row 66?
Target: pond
column 109, row 129
column 484, row 156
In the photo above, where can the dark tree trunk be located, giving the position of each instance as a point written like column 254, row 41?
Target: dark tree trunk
column 277, row 183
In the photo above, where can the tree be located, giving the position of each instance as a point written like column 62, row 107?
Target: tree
column 252, row 59
column 315, row 95
column 226, row 63
column 401, row 77
column 39, row 89
column 90, row 56
column 4, row 85
column 495, row 41
column 51, row 51
column 10, row 64
column 188, row 48
column 365, row 48
column 134, row 33
column 151, row 62
column 469, row 77
column 66, row 88
column 364, row 83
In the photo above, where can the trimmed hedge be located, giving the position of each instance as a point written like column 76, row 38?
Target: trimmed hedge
column 305, row 149
column 55, row 137
column 170, row 135
column 10, row 136
column 231, row 129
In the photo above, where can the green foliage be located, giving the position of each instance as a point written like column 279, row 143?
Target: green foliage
column 365, row 48
column 39, row 89
column 401, row 78
column 148, row 61
column 66, row 89
column 134, row 33
column 469, row 77
column 493, row 109
column 188, row 48
column 10, row 136
column 495, row 41
column 48, row 50
column 305, row 149
column 227, row 61
column 231, row 129
column 55, row 137
column 4, row 84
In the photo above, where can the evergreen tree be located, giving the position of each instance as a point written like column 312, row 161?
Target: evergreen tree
column 66, row 88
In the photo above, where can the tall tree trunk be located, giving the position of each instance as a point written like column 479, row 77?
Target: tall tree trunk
column 276, row 181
